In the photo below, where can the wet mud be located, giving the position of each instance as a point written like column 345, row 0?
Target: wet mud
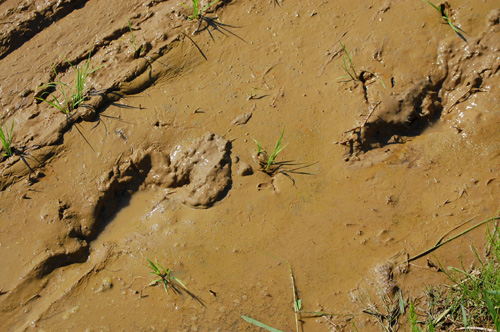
column 160, row 159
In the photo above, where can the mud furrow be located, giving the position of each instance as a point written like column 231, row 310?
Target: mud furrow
column 17, row 34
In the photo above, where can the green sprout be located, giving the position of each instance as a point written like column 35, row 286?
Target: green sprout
column 351, row 71
column 271, row 159
column 197, row 12
column 68, row 103
column 445, row 14
column 165, row 277
column 6, row 139
column 132, row 42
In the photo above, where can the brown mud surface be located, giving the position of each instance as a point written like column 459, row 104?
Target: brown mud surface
column 159, row 161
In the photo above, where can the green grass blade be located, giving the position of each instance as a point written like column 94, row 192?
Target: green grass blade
column 132, row 33
column 177, row 280
column 278, row 143
column 259, row 324
column 209, row 5
column 154, row 267
column 491, row 309
column 433, row 5
column 259, row 146
column 464, row 316
column 196, row 13
column 6, row 139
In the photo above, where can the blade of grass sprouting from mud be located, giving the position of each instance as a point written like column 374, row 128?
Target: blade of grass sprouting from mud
column 132, row 33
column 354, row 76
column 277, row 149
column 209, row 5
column 154, row 267
column 6, row 139
column 259, row 324
column 440, row 244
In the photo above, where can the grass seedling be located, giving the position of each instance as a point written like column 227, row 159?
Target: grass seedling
column 6, row 138
column 445, row 14
column 137, row 52
column 68, row 103
column 165, row 277
column 348, row 67
column 270, row 159
column 350, row 70
column 197, row 13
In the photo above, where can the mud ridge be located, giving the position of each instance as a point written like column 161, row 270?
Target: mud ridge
column 34, row 22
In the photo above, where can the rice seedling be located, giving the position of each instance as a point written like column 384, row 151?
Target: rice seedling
column 348, row 66
column 165, row 277
column 137, row 52
column 267, row 160
column 6, row 138
column 197, row 12
column 350, row 70
column 445, row 14
column 70, row 100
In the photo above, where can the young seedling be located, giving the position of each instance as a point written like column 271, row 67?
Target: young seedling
column 6, row 138
column 445, row 14
column 197, row 13
column 165, row 277
column 267, row 160
column 79, row 91
column 137, row 52
column 351, row 71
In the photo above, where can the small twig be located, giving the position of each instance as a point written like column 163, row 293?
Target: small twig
column 366, row 118
column 295, row 309
column 370, row 114
column 476, row 329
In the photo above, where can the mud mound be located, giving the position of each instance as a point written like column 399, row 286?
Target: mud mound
column 200, row 173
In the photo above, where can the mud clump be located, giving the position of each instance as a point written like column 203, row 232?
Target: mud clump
column 460, row 72
column 201, row 172
column 401, row 114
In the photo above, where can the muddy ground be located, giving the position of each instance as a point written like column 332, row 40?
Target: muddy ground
column 160, row 160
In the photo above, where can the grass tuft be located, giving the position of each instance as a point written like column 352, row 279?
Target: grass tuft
column 165, row 277
column 137, row 51
column 270, row 159
column 75, row 97
column 197, row 12
column 6, row 138
column 348, row 66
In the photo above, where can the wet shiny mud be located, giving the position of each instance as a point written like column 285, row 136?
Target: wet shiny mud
column 161, row 162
